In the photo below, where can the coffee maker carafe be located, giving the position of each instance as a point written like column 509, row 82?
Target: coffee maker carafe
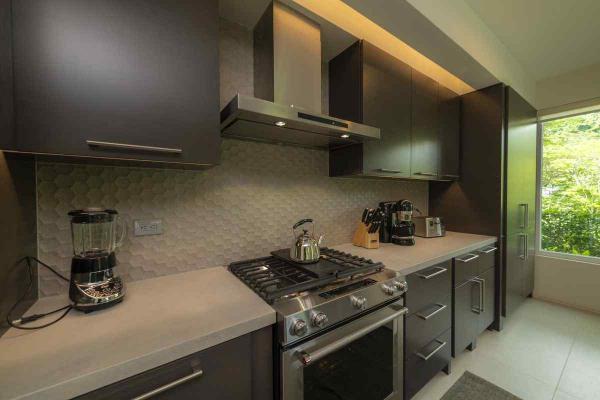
column 403, row 228
column 96, row 233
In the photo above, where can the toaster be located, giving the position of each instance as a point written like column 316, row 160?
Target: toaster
column 428, row 227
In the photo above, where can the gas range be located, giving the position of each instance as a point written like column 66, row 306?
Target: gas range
column 311, row 298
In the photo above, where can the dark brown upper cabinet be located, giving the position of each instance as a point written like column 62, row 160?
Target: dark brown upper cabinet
column 419, row 119
column 127, row 80
column 369, row 86
column 449, row 131
column 425, row 155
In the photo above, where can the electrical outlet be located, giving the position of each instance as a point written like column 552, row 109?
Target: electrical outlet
column 146, row 227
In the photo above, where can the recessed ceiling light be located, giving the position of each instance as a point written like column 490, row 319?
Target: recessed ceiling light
column 280, row 123
column 345, row 136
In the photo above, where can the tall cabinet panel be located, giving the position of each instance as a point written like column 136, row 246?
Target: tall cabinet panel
column 425, row 134
column 495, row 194
column 117, row 79
column 520, row 198
column 6, row 77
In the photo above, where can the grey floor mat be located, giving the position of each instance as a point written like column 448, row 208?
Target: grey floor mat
column 472, row 387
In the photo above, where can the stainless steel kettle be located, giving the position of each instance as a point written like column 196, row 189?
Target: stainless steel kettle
column 305, row 248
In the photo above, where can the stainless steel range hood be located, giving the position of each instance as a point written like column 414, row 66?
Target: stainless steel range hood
column 287, row 88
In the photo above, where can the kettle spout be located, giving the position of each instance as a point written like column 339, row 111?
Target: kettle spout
column 320, row 240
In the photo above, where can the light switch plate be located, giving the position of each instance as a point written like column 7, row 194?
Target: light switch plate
column 146, row 227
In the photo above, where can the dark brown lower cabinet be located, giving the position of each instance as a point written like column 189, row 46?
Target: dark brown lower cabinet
column 424, row 364
column 240, row 369
column 428, row 326
column 474, row 303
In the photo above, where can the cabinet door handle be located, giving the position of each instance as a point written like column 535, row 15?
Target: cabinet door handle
column 440, row 308
column 439, row 271
column 451, row 176
column 523, row 246
column 524, row 224
column 488, row 250
column 428, row 356
column 388, row 171
column 480, row 308
column 171, row 385
column 126, row 146
column 426, row 173
column 468, row 259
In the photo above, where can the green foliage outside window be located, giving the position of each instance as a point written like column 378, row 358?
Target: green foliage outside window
column 571, row 185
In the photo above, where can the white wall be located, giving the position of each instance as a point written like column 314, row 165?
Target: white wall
column 570, row 88
column 568, row 282
column 457, row 20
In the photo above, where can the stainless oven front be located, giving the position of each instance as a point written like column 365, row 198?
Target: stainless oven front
column 361, row 360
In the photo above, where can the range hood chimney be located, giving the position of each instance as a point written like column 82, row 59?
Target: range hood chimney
column 287, row 88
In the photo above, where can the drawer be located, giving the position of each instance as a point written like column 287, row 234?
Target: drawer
column 424, row 364
column 429, row 286
column 425, row 325
column 466, row 266
column 487, row 258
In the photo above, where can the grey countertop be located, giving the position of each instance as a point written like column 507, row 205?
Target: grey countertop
column 425, row 253
column 160, row 320
column 163, row 319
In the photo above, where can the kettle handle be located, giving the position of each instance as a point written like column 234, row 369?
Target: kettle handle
column 302, row 222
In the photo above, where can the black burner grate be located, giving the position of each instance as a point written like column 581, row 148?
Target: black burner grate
column 278, row 276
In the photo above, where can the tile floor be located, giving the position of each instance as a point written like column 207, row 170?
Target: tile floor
column 544, row 352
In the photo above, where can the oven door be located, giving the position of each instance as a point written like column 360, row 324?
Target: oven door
column 361, row 360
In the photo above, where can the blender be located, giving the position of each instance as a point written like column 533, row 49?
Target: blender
column 96, row 234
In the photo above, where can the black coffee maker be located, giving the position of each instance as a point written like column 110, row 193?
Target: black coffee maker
column 397, row 226
column 94, row 284
column 403, row 228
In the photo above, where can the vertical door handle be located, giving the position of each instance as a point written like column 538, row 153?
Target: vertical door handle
column 524, row 223
column 480, row 308
column 526, row 247
column 523, row 246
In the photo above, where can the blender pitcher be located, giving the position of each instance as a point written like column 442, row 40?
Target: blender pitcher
column 96, row 232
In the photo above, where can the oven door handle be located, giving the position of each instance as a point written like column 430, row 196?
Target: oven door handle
column 307, row 358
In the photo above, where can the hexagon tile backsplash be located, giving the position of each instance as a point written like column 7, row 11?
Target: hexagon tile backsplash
column 243, row 208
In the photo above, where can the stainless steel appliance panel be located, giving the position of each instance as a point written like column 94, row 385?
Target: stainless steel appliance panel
column 362, row 359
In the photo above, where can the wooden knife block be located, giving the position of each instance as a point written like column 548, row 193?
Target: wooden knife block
column 363, row 238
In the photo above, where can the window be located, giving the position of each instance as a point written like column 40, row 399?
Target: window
column 570, row 185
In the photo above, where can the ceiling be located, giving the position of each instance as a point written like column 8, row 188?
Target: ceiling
column 547, row 37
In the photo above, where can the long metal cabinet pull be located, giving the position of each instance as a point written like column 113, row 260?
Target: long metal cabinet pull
column 428, row 356
column 439, row 271
column 481, row 307
column 488, row 250
column 469, row 259
column 307, row 358
column 441, row 307
column 523, row 246
column 426, row 173
column 126, row 146
column 525, row 216
column 171, row 385
column 389, row 171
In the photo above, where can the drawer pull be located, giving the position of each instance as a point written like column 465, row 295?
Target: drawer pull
column 388, row 171
column 441, row 307
column 488, row 250
column 439, row 271
column 468, row 259
column 426, row 173
column 125, row 146
column 438, row 348
column 171, row 385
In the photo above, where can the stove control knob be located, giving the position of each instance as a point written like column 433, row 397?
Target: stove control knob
column 359, row 302
column 319, row 319
column 388, row 289
column 298, row 327
column 400, row 286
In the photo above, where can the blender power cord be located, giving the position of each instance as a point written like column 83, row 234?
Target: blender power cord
column 18, row 323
